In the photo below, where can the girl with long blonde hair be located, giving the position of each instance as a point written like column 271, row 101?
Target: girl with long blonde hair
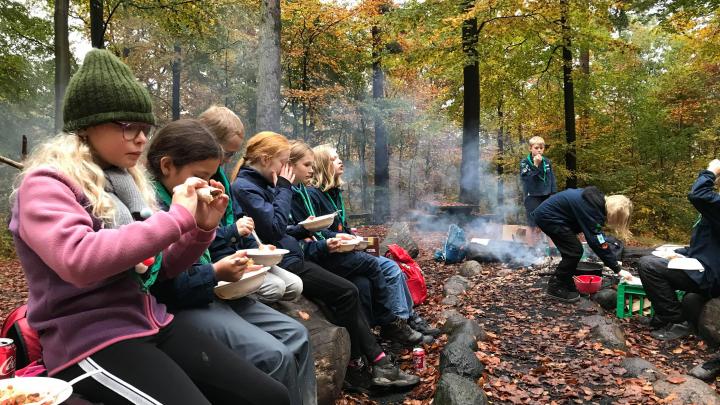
column 327, row 197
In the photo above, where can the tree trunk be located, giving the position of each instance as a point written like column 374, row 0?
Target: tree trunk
column 62, row 59
column 569, row 97
column 382, row 156
column 501, row 151
column 363, row 165
column 97, row 24
column 176, row 69
column 469, row 174
column 268, row 88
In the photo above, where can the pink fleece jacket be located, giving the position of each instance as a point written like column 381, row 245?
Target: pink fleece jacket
column 81, row 296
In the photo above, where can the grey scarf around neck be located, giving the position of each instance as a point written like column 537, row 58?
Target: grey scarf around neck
column 129, row 204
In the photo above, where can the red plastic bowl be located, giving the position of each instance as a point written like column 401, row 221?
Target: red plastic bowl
column 587, row 284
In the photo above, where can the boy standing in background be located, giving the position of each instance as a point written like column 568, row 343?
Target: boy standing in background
column 538, row 181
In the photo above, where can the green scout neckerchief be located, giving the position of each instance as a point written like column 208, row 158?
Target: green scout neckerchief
column 300, row 189
column 228, row 218
column 341, row 210
column 544, row 168
column 166, row 198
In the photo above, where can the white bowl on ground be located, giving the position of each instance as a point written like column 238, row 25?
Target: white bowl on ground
column 52, row 390
column 318, row 223
column 266, row 257
column 248, row 284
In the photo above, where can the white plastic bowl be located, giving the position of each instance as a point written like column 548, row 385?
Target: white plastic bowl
column 55, row 391
column 348, row 245
column 248, row 284
column 363, row 243
column 266, row 257
column 318, row 223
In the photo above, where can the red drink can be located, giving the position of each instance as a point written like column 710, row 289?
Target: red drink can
column 7, row 358
column 419, row 358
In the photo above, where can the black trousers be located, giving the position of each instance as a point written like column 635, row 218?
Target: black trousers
column 352, row 264
column 340, row 296
column 531, row 202
column 571, row 251
column 660, row 284
column 179, row 365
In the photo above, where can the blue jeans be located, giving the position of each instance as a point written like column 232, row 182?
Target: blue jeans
column 272, row 341
column 399, row 302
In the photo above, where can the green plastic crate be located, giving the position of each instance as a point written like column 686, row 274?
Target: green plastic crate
column 630, row 295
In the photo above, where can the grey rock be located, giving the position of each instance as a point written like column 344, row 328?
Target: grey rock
column 692, row 306
column 641, row 368
column 610, row 334
column 459, row 359
column 464, row 339
column 607, row 298
column 470, row 268
column 400, row 234
column 586, row 305
column 708, row 323
column 455, row 390
column 473, row 328
column 456, row 285
column 594, row 320
column 450, row 300
column 453, row 320
column 692, row 391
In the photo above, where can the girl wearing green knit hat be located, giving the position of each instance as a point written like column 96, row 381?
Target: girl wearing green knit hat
column 92, row 243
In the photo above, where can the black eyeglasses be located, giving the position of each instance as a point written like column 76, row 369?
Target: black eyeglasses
column 229, row 154
column 131, row 130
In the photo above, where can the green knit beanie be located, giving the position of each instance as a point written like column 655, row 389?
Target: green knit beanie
column 104, row 89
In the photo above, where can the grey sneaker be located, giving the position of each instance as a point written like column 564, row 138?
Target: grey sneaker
column 398, row 331
column 707, row 371
column 390, row 375
column 672, row 331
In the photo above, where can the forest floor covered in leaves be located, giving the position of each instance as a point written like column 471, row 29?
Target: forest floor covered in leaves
column 536, row 351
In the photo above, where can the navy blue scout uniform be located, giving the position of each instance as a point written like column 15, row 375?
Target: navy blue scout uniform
column 705, row 239
column 195, row 288
column 251, row 194
column 538, row 184
column 563, row 216
column 328, row 202
column 347, row 265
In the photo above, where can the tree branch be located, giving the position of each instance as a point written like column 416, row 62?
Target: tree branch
column 11, row 162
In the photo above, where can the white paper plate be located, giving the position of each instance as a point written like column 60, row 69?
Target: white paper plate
column 248, row 284
column 686, row 263
column 669, row 247
column 667, row 254
column 40, row 385
column 318, row 219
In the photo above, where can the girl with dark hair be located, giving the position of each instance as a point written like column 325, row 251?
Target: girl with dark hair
column 273, row 342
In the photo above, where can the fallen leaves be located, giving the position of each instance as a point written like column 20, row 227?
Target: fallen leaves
column 304, row 315
column 676, row 379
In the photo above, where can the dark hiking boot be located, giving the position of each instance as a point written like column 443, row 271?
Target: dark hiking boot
column 707, row 371
column 386, row 374
column 399, row 332
column 672, row 331
column 656, row 323
column 562, row 291
column 421, row 325
column 358, row 379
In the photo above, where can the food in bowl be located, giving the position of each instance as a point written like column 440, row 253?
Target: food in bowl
column 34, row 390
column 208, row 193
column 348, row 245
column 266, row 256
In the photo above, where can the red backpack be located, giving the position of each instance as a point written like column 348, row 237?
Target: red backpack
column 413, row 275
column 27, row 341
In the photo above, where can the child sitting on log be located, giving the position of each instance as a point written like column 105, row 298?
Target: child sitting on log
column 660, row 282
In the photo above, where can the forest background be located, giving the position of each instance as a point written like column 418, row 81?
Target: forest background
column 425, row 101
